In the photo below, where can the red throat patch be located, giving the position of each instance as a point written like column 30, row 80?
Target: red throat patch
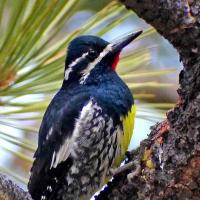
column 115, row 62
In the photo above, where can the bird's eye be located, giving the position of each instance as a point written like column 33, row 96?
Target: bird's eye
column 93, row 53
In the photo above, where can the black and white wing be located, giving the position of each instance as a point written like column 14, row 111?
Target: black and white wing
column 55, row 142
column 65, row 134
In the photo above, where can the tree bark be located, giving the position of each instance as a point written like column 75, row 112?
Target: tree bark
column 167, row 164
column 169, row 160
column 10, row 191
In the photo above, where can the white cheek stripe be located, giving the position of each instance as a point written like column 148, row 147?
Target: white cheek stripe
column 88, row 69
column 69, row 69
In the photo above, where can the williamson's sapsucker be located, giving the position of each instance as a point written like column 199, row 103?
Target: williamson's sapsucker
column 88, row 125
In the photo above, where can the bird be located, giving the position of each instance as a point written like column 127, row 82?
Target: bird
column 88, row 125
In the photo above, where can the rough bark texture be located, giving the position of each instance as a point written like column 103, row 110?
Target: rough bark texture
column 10, row 191
column 167, row 164
column 169, row 160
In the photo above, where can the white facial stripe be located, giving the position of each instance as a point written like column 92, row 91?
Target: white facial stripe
column 88, row 69
column 69, row 69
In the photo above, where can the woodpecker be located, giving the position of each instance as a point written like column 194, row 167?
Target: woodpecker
column 88, row 125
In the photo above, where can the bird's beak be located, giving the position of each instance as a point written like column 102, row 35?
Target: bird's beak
column 119, row 45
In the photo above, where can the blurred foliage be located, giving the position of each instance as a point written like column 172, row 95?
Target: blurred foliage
column 32, row 53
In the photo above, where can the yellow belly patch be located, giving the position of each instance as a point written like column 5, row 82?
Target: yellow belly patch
column 125, row 138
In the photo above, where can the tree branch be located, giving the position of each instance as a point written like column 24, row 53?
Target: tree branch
column 170, row 158
column 10, row 191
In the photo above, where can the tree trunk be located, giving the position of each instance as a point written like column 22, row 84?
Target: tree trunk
column 167, row 164
column 169, row 160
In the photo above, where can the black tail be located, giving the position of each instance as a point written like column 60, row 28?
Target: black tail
column 44, row 183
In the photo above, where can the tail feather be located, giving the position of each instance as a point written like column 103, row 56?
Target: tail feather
column 44, row 182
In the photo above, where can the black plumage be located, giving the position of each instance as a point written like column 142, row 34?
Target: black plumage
column 84, row 118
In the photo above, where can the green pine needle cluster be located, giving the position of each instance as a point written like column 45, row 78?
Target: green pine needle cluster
column 32, row 53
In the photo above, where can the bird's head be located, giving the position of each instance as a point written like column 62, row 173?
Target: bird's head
column 86, row 53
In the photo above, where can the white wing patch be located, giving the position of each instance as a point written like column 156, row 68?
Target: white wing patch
column 53, row 159
column 69, row 145
column 62, row 154
column 88, row 69
column 49, row 133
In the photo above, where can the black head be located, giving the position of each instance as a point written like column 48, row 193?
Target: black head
column 85, row 53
